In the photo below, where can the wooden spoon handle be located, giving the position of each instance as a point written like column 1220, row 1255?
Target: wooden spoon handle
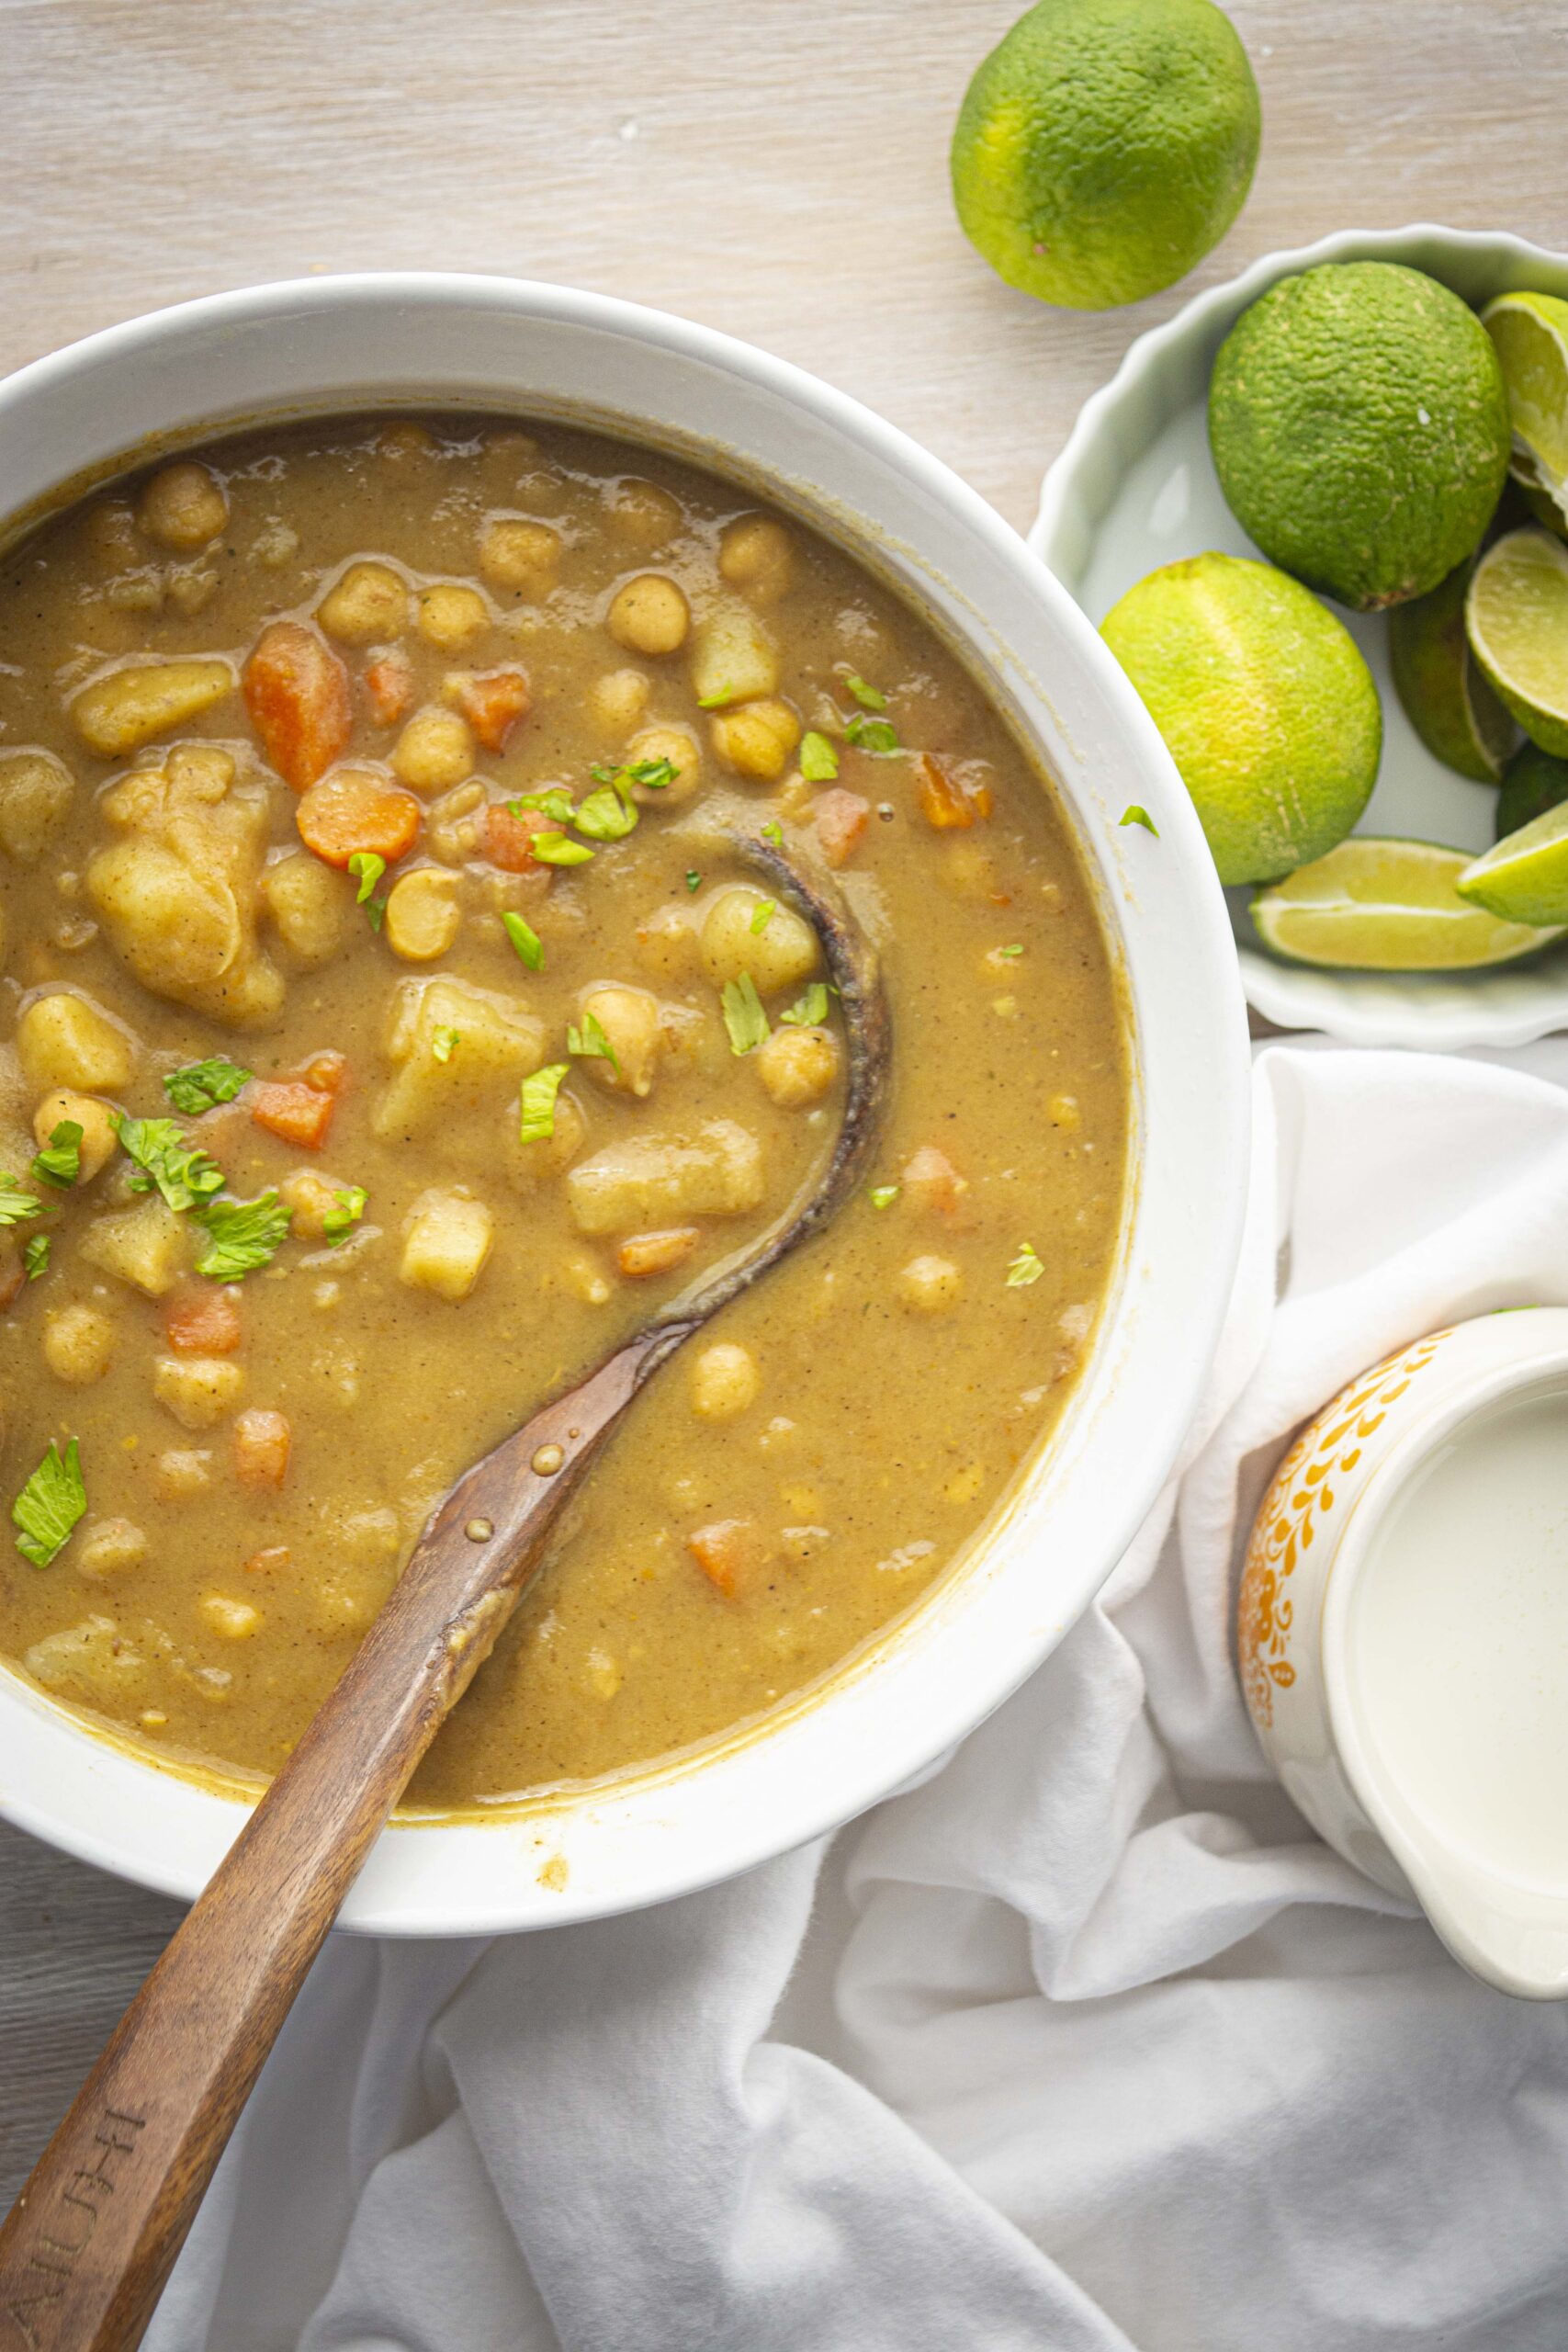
column 86, row 2250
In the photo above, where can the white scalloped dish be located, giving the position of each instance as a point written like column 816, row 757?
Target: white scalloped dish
column 1135, row 488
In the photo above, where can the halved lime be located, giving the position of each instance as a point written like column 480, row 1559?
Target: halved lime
column 1386, row 906
column 1517, row 617
column 1525, row 877
column 1530, row 332
column 1446, row 698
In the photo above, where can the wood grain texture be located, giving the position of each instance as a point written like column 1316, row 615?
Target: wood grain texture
column 778, row 171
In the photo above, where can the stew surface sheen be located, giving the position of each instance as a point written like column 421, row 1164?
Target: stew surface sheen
column 516, row 1076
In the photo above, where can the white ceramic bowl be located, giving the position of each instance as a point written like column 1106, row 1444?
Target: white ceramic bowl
column 329, row 345
column 1136, row 487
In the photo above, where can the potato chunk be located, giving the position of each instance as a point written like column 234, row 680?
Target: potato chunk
column 36, row 792
column 93, row 1658
column 184, row 506
column 148, row 1247
column 779, row 950
column 65, row 1039
column 178, row 894
column 715, row 1170
column 78, row 1344
column 733, row 658
column 490, row 1045
column 109, row 1547
column 115, row 713
column 725, row 1381
column 312, row 904
column 198, row 1390
column 446, row 1242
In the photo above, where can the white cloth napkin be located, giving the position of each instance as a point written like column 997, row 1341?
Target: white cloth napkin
column 1088, row 2042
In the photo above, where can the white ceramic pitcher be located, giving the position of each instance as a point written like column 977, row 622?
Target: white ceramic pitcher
column 1403, row 1635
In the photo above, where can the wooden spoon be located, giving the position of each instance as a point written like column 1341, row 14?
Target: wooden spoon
column 86, row 2249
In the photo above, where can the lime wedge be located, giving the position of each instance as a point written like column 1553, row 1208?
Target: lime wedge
column 1525, row 877
column 1530, row 332
column 1446, row 698
column 1385, row 906
column 1544, row 502
column 1516, row 617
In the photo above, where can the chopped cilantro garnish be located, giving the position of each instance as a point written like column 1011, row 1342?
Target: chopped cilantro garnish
column 717, row 700
column 367, row 869
column 538, row 1123
column 818, row 760
column 35, row 1256
column 199, row 1085
column 1009, row 952
column 652, row 775
column 59, row 1162
column 773, row 832
column 244, row 1235
column 1025, row 1268
column 609, row 813
column 762, row 914
column 694, row 879
column 526, row 940
column 871, row 734
column 884, row 1195
column 164, row 1158
column 339, row 1223
column 868, row 698
column 50, row 1505
column 589, row 1042
column 743, row 1015
column 15, row 1203
column 1136, row 814
column 445, row 1042
column 554, row 848
column 809, row 1010
column 555, row 802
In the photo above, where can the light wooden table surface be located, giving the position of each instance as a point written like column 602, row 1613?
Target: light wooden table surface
column 778, row 170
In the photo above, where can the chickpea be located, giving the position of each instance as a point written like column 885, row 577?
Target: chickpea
column 452, row 828
column 232, row 1620
column 311, row 1197
column 780, row 955
column 183, row 507
column 797, row 1066
column 424, row 917
column 676, row 745
column 78, row 1344
column 182, row 1473
column 109, row 1547
column 725, row 1381
column 402, row 441
column 931, row 1285
column 756, row 555
column 642, row 512
column 65, row 1040
column 95, row 1119
column 36, row 792
column 530, row 1163
column 434, row 750
column 757, row 739
column 191, row 592
column 366, row 607
column 517, row 554
column 274, row 545
column 618, row 699
column 649, row 615
column 198, row 1390
column 629, row 1018
column 312, row 904
column 451, row 615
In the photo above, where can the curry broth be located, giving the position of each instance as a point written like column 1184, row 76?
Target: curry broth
column 470, row 616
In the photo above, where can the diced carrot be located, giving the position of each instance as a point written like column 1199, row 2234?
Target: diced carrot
column 204, row 1319
column 262, row 1440
column 269, row 1561
column 352, row 810
column 297, row 693
column 302, row 1114
column 931, row 1182
column 657, row 1253
column 13, row 1274
column 389, row 687
column 725, row 1551
column 492, row 702
column 948, row 801
column 508, row 839
column 841, row 818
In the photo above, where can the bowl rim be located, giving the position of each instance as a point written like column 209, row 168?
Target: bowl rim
column 1208, row 1137
column 1497, row 1006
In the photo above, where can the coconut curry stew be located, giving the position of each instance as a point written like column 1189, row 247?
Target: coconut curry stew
column 390, row 1033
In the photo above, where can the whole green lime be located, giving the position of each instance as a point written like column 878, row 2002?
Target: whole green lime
column 1267, row 708
column 1360, row 429
column 1535, row 782
column 1105, row 146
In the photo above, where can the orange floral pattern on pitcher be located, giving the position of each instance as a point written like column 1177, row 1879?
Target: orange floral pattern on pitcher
column 1291, row 1516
